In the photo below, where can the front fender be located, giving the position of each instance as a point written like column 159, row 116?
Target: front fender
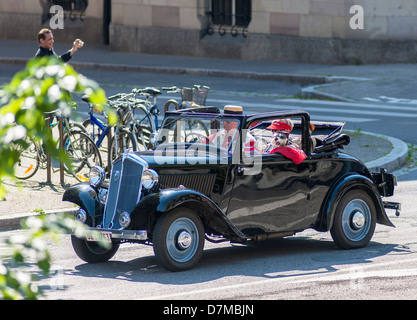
column 85, row 196
column 151, row 207
column 346, row 183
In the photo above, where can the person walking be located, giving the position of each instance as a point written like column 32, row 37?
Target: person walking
column 46, row 46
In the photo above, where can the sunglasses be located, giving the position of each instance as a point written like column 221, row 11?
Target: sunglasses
column 281, row 134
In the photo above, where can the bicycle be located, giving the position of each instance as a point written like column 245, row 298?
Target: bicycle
column 122, row 139
column 140, row 115
column 81, row 151
column 190, row 97
column 151, row 108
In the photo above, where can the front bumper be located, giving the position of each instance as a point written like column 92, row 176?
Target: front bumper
column 125, row 234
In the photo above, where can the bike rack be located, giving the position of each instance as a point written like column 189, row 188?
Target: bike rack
column 48, row 156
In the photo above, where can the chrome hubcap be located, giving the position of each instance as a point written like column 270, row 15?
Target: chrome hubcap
column 358, row 220
column 184, row 240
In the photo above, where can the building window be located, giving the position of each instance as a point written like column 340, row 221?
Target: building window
column 229, row 15
column 72, row 8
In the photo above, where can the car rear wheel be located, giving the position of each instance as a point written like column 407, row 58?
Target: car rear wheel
column 354, row 221
column 93, row 252
column 178, row 239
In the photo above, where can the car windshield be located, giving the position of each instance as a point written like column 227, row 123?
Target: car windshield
column 217, row 133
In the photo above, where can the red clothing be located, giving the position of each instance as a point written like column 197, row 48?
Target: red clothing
column 294, row 154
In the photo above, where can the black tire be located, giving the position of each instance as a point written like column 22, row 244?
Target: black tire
column 171, row 105
column 94, row 133
column 125, row 140
column 77, row 126
column 354, row 220
column 83, row 154
column 143, row 117
column 143, row 137
column 178, row 239
column 28, row 163
column 92, row 252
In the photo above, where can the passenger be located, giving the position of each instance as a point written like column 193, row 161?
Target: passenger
column 281, row 142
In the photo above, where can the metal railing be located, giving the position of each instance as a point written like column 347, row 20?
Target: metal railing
column 230, row 15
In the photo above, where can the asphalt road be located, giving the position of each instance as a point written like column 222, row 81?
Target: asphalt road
column 306, row 266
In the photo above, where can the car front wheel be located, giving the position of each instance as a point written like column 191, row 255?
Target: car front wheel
column 93, row 252
column 354, row 221
column 178, row 239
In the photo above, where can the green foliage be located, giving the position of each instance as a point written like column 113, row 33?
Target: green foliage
column 44, row 86
column 15, row 282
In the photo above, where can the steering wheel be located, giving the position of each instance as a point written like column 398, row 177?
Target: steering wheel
column 198, row 136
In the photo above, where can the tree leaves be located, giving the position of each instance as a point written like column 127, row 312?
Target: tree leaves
column 44, row 86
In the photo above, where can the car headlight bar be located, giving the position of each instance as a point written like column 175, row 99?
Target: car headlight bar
column 149, row 179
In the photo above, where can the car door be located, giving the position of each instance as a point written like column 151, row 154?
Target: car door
column 274, row 199
column 271, row 192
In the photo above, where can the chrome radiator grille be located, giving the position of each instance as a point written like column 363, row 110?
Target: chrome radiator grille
column 201, row 182
column 124, row 190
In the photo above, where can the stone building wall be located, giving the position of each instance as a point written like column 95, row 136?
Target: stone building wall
column 22, row 20
column 318, row 31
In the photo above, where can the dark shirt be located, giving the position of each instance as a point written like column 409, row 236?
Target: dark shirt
column 43, row 52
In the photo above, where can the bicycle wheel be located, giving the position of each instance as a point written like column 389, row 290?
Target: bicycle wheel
column 77, row 126
column 171, row 105
column 83, row 154
column 143, row 117
column 122, row 140
column 28, row 162
column 94, row 132
column 143, row 137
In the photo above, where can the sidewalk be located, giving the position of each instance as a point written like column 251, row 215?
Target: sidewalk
column 331, row 81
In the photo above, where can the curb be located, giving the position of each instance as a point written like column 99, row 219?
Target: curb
column 302, row 79
column 313, row 92
column 14, row 221
column 394, row 159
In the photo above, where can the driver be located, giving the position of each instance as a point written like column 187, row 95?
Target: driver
column 224, row 137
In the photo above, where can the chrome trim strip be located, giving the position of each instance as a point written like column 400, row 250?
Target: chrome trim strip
column 125, row 234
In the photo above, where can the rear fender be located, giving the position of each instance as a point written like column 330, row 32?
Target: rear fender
column 153, row 206
column 345, row 184
column 85, row 196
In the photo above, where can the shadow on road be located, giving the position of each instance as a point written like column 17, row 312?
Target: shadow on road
column 272, row 259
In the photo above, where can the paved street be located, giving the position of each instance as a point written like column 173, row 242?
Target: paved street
column 307, row 266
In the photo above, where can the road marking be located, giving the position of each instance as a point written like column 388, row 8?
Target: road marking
column 350, row 104
column 254, row 107
column 321, row 274
column 333, row 110
column 333, row 107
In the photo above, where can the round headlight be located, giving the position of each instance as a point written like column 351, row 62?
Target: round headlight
column 97, row 175
column 81, row 215
column 149, row 179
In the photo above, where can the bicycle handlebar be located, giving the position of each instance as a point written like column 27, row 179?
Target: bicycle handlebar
column 171, row 89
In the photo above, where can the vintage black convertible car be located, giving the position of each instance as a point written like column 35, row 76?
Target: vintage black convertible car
column 212, row 177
